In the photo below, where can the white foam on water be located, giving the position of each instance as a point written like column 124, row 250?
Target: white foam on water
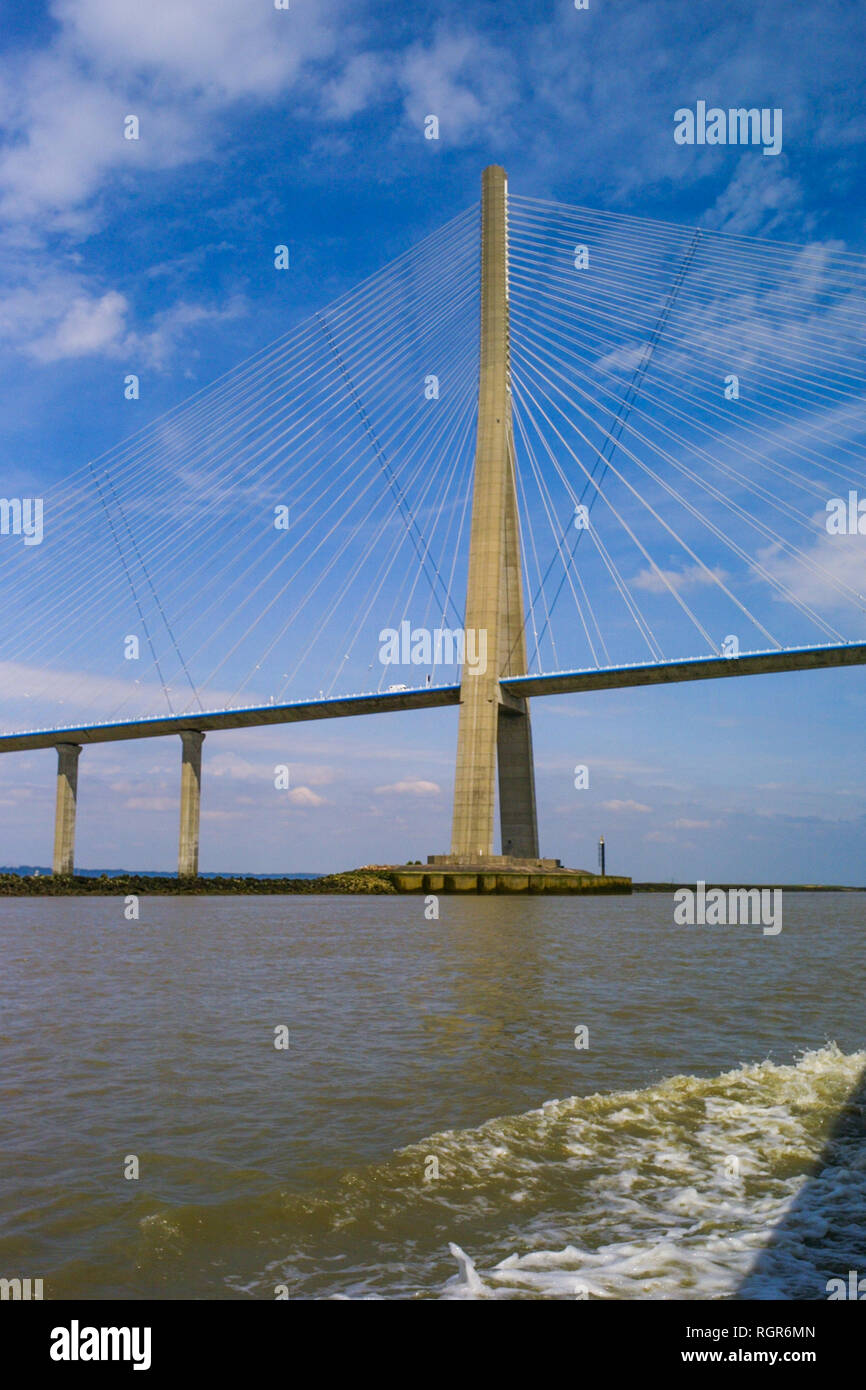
column 657, row 1209
column 468, row 1277
column 696, row 1187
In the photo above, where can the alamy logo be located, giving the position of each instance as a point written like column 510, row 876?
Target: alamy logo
column 736, row 126
column 22, row 516
column 855, row 1289
column 20, row 1289
column 76, row 1343
column 846, row 518
column 443, row 646
column 736, row 907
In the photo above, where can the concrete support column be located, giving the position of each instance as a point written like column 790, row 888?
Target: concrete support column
column 517, row 815
column 190, row 803
column 494, row 597
column 68, row 754
column 518, row 821
column 475, row 778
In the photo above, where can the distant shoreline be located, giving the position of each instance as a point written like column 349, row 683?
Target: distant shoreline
column 47, row 886
column 728, row 887
column 358, row 881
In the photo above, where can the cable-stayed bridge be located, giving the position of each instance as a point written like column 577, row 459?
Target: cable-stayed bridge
column 644, row 468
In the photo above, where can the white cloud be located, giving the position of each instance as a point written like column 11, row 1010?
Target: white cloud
column 157, row 345
column 314, row 775
column 151, row 803
column 65, row 133
column 759, row 197
column 464, row 80
column 416, row 788
column 833, row 561
column 180, row 66
column 621, row 359
column 304, row 796
column 235, row 768
column 44, row 304
column 176, row 64
column 89, row 325
column 44, row 696
column 365, row 77
column 224, row 48
column 49, row 312
column 635, row 806
column 692, row 577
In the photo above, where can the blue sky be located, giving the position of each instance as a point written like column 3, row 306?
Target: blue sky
column 306, row 127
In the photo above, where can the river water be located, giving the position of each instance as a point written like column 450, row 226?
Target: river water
column 431, row 1129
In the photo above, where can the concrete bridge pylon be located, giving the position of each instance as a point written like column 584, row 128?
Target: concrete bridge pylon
column 494, row 734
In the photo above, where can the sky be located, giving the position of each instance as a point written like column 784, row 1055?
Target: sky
column 305, row 127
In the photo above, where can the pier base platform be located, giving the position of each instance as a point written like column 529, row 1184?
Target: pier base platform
column 499, row 873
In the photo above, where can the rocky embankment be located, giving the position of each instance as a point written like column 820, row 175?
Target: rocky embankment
column 47, row 886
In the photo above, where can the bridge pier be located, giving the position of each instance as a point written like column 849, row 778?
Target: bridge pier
column 489, row 736
column 517, row 815
column 63, row 863
column 190, row 803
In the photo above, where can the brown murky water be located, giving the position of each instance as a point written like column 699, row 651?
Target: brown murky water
column 431, row 1096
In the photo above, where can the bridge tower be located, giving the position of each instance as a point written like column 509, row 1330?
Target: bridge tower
column 494, row 731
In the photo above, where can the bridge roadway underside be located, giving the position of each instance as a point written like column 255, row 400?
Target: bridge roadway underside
column 513, row 689
column 434, row 697
column 343, row 707
column 700, row 668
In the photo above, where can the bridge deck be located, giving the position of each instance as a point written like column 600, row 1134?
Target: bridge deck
column 698, row 668
column 341, row 707
column 432, row 697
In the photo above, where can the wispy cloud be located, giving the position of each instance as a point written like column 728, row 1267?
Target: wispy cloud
column 305, row 796
column 758, row 199
column 411, row 788
column 691, row 577
column 836, row 571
